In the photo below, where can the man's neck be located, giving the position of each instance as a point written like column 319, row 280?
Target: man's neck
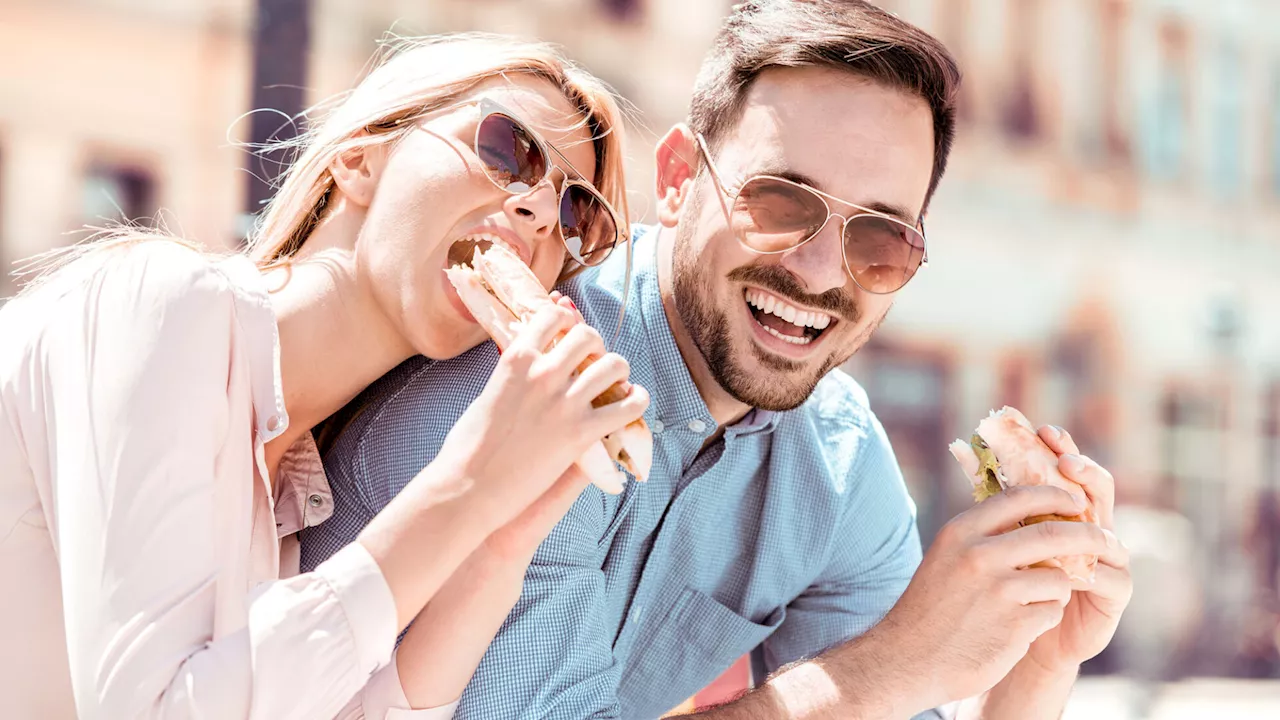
column 725, row 410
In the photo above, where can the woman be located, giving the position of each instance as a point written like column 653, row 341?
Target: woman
column 156, row 453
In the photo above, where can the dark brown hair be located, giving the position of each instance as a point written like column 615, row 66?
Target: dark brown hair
column 849, row 34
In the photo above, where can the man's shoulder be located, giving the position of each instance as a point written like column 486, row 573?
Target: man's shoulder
column 397, row 425
column 838, row 429
column 841, row 399
column 599, row 292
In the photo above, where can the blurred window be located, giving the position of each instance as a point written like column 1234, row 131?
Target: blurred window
column 1275, row 130
column 6, row 285
column 1271, row 436
column 1165, row 121
column 623, row 9
column 1228, row 102
column 1078, row 388
column 1020, row 116
column 117, row 193
column 954, row 19
column 1192, row 456
column 1114, row 17
column 910, row 390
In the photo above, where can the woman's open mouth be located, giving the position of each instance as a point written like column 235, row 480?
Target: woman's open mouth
column 463, row 249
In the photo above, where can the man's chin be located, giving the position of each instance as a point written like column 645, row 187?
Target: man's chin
column 754, row 376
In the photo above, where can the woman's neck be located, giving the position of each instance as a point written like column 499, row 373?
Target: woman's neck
column 334, row 339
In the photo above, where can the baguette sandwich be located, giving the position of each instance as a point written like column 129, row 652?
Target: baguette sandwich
column 1005, row 451
column 502, row 293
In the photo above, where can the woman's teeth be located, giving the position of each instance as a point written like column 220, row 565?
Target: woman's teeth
column 464, row 248
column 774, row 305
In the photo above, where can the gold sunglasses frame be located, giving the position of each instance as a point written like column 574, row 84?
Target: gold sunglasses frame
column 826, row 200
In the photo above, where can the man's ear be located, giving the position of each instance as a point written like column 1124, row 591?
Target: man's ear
column 357, row 171
column 677, row 159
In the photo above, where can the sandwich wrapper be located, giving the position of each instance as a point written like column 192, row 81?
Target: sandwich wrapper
column 1004, row 452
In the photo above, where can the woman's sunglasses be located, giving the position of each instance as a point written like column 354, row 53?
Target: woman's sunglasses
column 518, row 160
column 771, row 215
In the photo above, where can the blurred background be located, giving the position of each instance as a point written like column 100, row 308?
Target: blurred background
column 1105, row 250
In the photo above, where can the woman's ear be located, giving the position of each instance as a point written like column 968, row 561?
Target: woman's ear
column 677, row 164
column 357, row 171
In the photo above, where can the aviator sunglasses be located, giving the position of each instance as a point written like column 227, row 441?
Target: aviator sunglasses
column 770, row 215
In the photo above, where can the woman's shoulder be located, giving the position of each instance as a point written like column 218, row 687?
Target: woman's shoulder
column 134, row 285
column 148, row 273
column 164, row 270
column 134, row 302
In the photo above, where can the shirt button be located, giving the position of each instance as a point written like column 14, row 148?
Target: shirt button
column 658, row 426
column 697, row 425
column 315, row 501
column 273, row 423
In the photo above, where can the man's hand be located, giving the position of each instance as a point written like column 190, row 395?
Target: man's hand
column 974, row 608
column 1093, row 613
column 1038, row 686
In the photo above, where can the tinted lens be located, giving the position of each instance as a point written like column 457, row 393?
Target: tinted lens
column 511, row 158
column 881, row 255
column 586, row 225
column 773, row 215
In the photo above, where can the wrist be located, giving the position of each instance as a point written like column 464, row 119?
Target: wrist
column 871, row 677
column 1030, row 691
column 1031, row 672
column 907, row 673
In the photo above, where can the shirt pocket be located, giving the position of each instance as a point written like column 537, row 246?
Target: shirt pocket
column 681, row 653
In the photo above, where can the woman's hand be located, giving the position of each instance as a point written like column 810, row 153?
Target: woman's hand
column 534, row 418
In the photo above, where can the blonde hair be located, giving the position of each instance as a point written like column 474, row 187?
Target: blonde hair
column 410, row 78
column 414, row 77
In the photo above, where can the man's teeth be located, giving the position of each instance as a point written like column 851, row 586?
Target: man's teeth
column 800, row 340
column 774, row 305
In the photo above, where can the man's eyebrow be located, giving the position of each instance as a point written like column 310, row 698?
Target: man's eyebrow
column 891, row 209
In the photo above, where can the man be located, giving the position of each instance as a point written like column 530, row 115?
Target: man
column 775, row 521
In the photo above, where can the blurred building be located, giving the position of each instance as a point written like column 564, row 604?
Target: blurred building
column 1105, row 255
column 1105, row 252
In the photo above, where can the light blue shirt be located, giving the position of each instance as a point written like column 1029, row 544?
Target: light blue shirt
column 792, row 533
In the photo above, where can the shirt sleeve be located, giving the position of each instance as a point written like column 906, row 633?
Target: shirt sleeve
column 143, row 426
column 869, row 568
column 383, row 698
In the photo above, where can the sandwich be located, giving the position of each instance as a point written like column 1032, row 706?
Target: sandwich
column 1004, row 452
column 502, row 293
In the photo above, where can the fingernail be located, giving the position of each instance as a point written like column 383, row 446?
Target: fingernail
column 1056, row 432
column 1081, row 501
column 571, row 303
column 1071, row 463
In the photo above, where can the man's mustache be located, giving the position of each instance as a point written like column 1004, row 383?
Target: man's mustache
column 781, row 282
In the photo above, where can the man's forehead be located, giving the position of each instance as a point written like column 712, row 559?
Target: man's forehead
column 853, row 137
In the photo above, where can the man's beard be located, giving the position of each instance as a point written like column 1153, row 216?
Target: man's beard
column 786, row 384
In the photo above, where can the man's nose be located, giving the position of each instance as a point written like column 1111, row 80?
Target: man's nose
column 819, row 263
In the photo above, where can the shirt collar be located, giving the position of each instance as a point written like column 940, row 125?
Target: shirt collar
column 257, row 317
column 677, row 399
column 303, row 497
